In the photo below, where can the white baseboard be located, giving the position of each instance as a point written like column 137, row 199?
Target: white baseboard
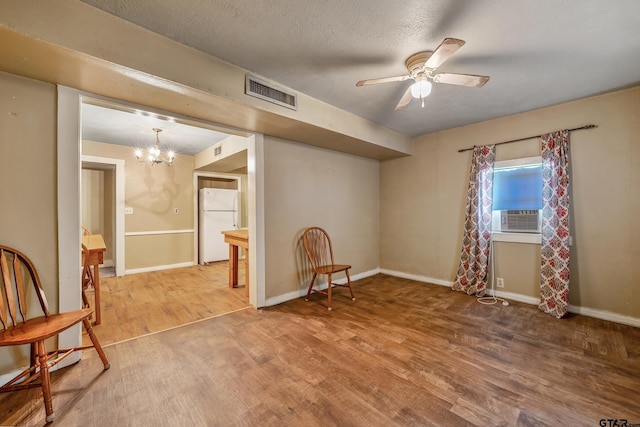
column 321, row 285
column 605, row 315
column 526, row 299
column 159, row 267
column 416, row 277
column 584, row 311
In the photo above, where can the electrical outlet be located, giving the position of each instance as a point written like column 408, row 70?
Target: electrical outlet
column 128, row 211
column 500, row 282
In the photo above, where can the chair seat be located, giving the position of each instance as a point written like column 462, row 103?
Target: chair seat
column 327, row 269
column 42, row 327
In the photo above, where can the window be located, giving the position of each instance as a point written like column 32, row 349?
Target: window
column 517, row 199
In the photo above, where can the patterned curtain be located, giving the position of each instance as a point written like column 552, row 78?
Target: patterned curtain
column 472, row 271
column 554, row 281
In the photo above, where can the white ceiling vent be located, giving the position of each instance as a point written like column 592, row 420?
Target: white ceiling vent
column 268, row 92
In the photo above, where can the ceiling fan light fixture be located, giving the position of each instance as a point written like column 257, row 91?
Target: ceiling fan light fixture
column 421, row 89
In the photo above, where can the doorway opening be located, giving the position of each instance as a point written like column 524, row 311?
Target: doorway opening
column 102, row 201
column 70, row 160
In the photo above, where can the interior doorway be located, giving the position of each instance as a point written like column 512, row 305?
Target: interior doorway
column 224, row 181
column 70, row 102
column 102, row 202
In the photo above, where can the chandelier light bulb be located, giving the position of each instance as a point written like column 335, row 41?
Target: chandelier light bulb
column 155, row 154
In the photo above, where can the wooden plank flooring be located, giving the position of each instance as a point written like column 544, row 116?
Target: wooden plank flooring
column 144, row 303
column 404, row 353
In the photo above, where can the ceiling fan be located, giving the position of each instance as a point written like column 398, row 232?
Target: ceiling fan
column 420, row 67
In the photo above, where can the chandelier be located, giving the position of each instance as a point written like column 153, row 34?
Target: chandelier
column 154, row 155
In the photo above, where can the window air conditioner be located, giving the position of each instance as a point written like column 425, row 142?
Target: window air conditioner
column 520, row 221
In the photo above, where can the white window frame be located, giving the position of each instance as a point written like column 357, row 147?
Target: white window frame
column 496, row 234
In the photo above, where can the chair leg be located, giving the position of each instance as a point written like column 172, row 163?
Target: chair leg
column 353, row 297
column 85, row 300
column 96, row 344
column 33, row 357
column 313, row 279
column 329, row 291
column 45, row 380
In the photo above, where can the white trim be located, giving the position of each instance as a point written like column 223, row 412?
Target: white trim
column 525, row 299
column 119, row 208
column 533, row 238
column 69, row 214
column 321, row 285
column 157, row 232
column 159, row 267
column 417, row 277
column 584, row 311
column 605, row 315
column 255, row 184
column 256, row 218
column 523, row 161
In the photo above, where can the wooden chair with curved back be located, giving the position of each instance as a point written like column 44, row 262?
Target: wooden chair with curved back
column 319, row 250
column 18, row 328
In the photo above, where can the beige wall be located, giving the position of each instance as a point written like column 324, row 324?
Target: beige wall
column 28, row 191
column 153, row 192
column 307, row 186
column 422, row 202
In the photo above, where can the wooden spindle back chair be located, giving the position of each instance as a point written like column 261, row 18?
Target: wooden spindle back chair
column 319, row 250
column 18, row 273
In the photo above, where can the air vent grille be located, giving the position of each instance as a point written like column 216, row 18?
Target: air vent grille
column 265, row 91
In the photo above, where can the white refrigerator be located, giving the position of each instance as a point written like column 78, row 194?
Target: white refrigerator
column 218, row 211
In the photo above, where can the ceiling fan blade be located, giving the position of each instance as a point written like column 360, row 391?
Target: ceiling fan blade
column 383, row 80
column 447, row 48
column 469, row 80
column 405, row 100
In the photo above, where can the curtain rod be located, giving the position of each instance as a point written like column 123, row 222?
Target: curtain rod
column 529, row 137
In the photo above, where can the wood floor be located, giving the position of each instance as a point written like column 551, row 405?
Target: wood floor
column 403, row 354
column 139, row 304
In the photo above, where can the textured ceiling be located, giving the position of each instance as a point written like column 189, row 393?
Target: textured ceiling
column 538, row 53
